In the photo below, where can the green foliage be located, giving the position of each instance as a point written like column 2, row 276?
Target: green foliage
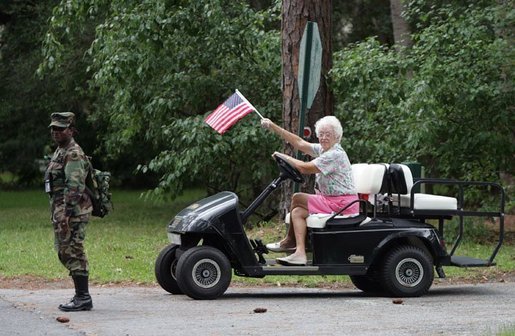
column 350, row 25
column 67, row 54
column 20, row 113
column 198, row 155
column 155, row 71
column 465, row 85
column 367, row 81
column 146, row 73
column 475, row 229
column 447, row 103
column 27, row 100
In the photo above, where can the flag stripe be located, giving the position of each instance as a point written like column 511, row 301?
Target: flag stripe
column 216, row 118
column 228, row 113
column 232, row 117
column 219, row 114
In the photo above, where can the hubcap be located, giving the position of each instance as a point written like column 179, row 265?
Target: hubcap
column 173, row 269
column 206, row 273
column 409, row 272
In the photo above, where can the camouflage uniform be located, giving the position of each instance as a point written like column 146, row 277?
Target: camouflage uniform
column 65, row 182
column 67, row 172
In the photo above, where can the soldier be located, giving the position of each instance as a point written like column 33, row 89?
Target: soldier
column 65, row 180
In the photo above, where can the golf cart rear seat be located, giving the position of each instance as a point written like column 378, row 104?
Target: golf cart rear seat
column 368, row 179
column 400, row 192
column 399, row 185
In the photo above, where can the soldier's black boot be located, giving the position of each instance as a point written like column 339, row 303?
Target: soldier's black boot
column 82, row 299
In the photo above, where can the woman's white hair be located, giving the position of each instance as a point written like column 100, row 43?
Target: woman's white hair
column 330, row 121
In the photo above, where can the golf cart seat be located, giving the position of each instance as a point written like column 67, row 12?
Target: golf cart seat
column 319, row 221
column 401, row 182
column 368, row 179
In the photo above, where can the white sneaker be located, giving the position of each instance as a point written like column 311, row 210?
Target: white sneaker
column 276, row 247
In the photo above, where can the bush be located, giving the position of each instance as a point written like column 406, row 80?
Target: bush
column 446, row 103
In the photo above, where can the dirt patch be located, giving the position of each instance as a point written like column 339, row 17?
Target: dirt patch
column 509, row 224
column 34, row 282
column 483, row 276
column 29, row 282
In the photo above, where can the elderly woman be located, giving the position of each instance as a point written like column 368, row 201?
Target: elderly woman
column 334, row 185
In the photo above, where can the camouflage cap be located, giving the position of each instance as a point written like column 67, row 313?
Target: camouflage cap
column 62, row 119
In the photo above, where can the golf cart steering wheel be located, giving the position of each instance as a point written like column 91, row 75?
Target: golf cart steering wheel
column 288, row 170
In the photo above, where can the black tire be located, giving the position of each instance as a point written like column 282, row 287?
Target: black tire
column 165, row 269
column 203, row 273
column 366, row 283
column 407, row 271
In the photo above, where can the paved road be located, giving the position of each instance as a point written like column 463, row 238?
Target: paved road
column 447, row 310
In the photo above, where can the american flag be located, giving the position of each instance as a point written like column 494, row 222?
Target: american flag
column 229, row 112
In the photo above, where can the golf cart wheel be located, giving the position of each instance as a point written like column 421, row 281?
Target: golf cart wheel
column 165, row 269
column 203, row 273
column 366, row 283
column 407, row 271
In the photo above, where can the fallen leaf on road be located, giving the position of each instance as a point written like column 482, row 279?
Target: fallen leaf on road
column 63, row 319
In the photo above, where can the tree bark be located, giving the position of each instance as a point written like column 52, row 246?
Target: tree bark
column 401, row 29
column 295, row 15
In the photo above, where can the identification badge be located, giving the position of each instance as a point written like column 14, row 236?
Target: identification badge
column 47, row 186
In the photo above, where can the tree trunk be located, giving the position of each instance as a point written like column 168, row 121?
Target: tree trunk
column 295, row 14
column 401, row 29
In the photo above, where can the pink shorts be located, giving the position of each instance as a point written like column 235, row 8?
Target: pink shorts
column 329, row 204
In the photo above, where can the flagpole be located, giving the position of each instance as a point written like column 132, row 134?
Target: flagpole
column 245, row 99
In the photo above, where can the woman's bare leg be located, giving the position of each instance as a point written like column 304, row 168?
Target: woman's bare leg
column 299, row 200
column 298, row 217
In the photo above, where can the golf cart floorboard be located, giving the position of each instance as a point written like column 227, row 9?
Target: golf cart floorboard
column 469, row 262
column 272, row 268
column 300, row 270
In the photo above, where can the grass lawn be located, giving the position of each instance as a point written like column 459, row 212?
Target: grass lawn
column 122, row 247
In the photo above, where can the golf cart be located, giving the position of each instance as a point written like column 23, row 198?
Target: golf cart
column 388, row 248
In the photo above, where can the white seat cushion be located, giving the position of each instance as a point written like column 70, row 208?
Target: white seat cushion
column 429, row 202
column 318, row 221
column 424, row 201
column 368, row 178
